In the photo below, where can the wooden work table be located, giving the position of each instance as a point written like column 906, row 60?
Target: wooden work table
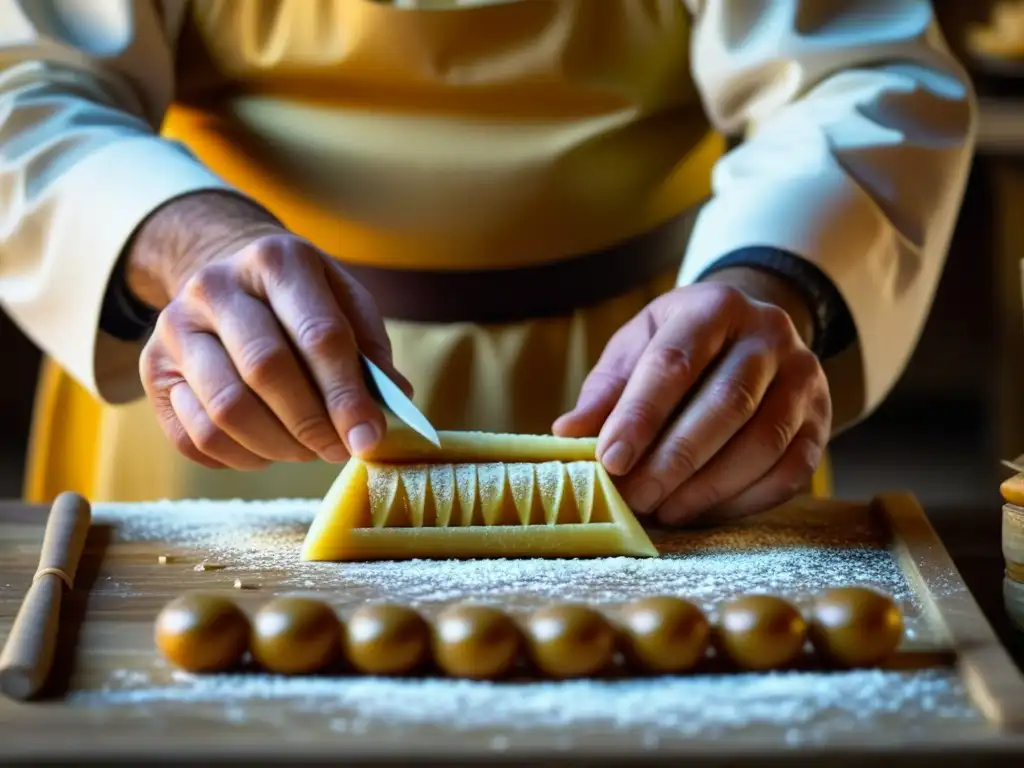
column 101, row 708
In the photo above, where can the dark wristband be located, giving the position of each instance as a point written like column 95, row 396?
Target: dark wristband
column 834, row 330
column 123, row 315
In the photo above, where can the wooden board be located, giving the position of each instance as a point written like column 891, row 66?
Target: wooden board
column 951, row 691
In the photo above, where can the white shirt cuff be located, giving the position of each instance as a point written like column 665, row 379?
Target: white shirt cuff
column 98, row 205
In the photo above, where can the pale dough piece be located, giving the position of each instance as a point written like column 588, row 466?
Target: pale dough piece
column 556, row 504
column 404, row 445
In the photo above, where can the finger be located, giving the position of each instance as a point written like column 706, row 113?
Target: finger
column 267, row 363
column 606, row 381
column 673, row 361
column 210, row 439
column 367, row 324
column 296, row 288
column 230, row 405
column 723, row 404
column 786, row 479
column 157, row 380
column 750, row 454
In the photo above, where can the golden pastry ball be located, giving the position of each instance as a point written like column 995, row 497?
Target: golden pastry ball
column 760, row 632
column 664, row 634
column 202, row 633
column 476, row 642
column 295, row 636
column 386, row 639
column 570, row 641
column 855, row 626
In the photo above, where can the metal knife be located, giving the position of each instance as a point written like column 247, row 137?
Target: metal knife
column 396, row 401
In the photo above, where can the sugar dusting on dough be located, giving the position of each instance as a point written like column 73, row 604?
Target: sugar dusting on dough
column 781, row 556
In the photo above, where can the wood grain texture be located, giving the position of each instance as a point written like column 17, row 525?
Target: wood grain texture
column 992, row 678
column 100, row 705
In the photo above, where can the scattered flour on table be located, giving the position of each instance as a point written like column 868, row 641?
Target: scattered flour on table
column 791, row 707
column 261, row 537
column 794, row 706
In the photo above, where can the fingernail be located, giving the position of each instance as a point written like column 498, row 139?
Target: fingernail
column 336, row 454
column 362, row 437
column 618, row 457
column 646, row 496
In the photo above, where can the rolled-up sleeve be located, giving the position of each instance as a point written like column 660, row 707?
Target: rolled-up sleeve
column 83, row 89
column 858, row 129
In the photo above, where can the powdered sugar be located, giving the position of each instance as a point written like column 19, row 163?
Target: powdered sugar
column 257, row 537
column 794, row 553
column 791, row 708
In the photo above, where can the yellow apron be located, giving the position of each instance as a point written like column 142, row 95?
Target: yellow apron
column 566, row 125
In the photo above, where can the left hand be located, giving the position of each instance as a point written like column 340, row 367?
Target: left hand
column 755, row 417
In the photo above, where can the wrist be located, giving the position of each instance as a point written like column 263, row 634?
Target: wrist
column 184, row 235
column 761, row 285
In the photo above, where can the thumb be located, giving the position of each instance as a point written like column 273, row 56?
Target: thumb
column 604, row 385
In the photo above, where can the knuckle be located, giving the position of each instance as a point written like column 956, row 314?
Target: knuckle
column 759, row 362
column 321, row 336
column 807, row 368
column 705, row 495
column 269, row 256
column 819, row 407
column 206, row 286
column 680, row 458
column 345, row 398
column 262, row 363
column 642, row 416
column 806, row 460
column 170, row 322
column 778, row 436
column 777, row 322
column 728, row 298
column 315, row 432
column 208, row 437
column 736, row 399
column 672, row 362
column 227, row 405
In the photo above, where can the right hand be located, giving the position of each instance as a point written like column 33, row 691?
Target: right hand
column 254, row 359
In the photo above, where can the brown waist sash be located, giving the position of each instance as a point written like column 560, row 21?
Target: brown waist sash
column 511, row 295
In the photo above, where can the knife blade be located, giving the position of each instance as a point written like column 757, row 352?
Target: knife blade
column 396, row 401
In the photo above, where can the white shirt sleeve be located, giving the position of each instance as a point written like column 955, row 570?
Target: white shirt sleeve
column 83, row 89
column 859, row 129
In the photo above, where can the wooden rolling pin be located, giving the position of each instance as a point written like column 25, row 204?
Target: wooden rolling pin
column 28, row 654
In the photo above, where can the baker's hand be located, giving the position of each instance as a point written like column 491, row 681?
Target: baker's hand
column 708, row 403
column 254, row 357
